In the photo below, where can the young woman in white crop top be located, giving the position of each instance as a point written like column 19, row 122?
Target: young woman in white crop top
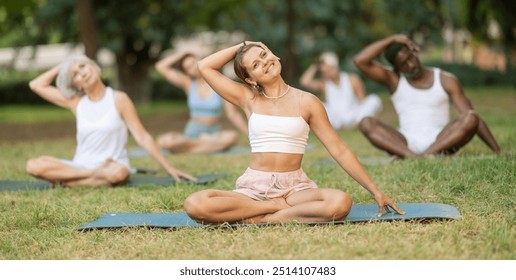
column 274, row 188
column 203, row 132
column 103, row 118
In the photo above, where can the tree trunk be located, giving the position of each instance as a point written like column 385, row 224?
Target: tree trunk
column 134, row 79
column 87, row 27
column 291, row 65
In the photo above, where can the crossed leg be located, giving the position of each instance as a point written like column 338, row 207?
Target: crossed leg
column 52, row 169
column 206, row 143
column 313, row 205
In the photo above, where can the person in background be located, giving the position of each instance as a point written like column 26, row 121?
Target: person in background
column 103, row 118
column 421, row 97
column 203, row 132
column 274, row 188
column 345, row 97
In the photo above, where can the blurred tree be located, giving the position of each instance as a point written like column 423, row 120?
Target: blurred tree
column 17, row 26
column 479, row 15
column 17, row 22
column 136, row 31
column 298, row 30
column 87, row 27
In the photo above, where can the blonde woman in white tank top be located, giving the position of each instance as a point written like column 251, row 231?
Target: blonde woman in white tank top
column 274, row 188
column 420, row 96
column 103, row 118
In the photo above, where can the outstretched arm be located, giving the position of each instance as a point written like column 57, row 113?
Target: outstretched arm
column 454, row 89
column 173, row 76
column 126, row 108
column 322, row 128
column 365, row 60
column 309, row 81
column 42, row 86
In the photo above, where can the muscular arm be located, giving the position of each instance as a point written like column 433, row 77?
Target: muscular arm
column 308, row 80
column 454, row 89
column 365, row 61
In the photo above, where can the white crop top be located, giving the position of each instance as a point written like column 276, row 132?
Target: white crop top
column 278, row 134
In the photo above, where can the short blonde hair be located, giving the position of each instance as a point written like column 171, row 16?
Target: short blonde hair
column 64, row 78
column 329, row 58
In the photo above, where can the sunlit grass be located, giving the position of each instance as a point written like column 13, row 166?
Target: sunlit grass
column 42, row 224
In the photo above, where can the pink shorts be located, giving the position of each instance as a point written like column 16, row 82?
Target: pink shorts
column 262, row 185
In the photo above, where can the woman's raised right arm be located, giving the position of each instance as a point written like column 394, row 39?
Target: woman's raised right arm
column 210, row 68
column 42, row 86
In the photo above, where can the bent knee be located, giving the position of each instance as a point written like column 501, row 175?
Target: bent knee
column 367, row 124
column 471, row 119
column 118, row 175
column 35, row 166
column 338, row 205
column 193, row 204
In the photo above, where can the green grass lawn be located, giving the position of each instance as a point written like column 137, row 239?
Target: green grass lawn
column 37, row 225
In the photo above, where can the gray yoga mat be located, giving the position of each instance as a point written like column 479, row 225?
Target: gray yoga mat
column 134, row 181
column 358, row 213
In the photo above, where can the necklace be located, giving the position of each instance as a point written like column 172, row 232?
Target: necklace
column 279, row 96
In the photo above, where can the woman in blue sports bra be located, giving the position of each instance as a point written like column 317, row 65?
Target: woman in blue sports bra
column 203, row 133
column 274, row 188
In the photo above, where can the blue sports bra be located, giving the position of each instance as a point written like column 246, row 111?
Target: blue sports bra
column 201, row 107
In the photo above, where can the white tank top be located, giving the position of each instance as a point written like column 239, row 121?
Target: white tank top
column 421, row 110
column 340, row 98
column 278, row 134
column 101, row 132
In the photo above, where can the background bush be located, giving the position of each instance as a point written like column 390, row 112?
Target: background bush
column 14, row 86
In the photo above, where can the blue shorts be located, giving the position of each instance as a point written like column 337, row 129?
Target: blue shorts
column 195, row 129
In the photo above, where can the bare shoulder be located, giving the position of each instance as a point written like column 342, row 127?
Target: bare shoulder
column 122, row 100
column 449, row 81
column 448, row 77
column 309, row 102
column 307, row 98
column 121, row 96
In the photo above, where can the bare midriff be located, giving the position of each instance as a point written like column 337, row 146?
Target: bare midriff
column 276, row 162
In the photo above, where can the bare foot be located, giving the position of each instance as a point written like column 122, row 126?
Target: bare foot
column 281, row 203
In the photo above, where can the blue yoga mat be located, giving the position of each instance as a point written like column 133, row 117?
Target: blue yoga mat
column 358, row 213
column 134, row 181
